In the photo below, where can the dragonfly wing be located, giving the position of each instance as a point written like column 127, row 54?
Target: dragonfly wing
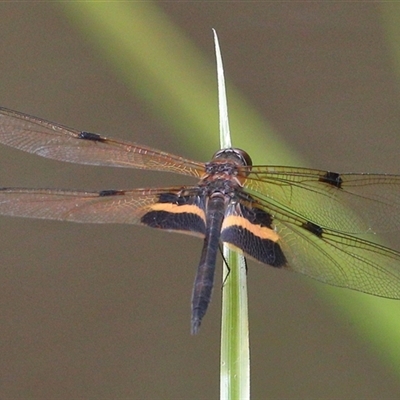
column 51, row 140
column 340, row 260
column 251, row 230
column 350, row 203
column 282, row 239
column 157, row 208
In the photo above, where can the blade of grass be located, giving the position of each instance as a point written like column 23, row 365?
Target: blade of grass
column 235, row 353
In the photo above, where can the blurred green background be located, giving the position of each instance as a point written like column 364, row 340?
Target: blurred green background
column 103, row 311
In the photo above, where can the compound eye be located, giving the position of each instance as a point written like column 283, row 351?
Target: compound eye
column 247, row 161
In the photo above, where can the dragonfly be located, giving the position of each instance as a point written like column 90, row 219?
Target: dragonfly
column 305, row 220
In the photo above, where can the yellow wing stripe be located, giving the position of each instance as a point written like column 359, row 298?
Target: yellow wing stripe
column 256, row 229
column 178, row 209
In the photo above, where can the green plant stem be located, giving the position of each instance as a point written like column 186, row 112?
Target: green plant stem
column 235, row 354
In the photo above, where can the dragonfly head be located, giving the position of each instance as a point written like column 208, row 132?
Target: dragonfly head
column 238, row 156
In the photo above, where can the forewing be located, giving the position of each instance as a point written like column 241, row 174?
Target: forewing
column 58, row 142
column 348, row 203
column 158, row 208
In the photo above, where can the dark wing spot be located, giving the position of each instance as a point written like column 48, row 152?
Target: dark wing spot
column 263, row 250
column 174, row 221
column 191, row 218
column 254, row 242
column 332, row 178
column 91, row 136
column 174, row 199
column 313, row 228
column 257, row 216
column 111, row 192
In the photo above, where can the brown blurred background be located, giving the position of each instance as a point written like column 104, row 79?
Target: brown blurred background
column 103, row 312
